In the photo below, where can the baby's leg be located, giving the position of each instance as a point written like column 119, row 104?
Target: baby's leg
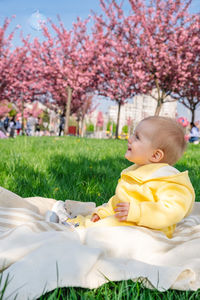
column 57, row 214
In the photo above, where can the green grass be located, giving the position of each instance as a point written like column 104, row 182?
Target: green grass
column 85, row 170
column 63, row 168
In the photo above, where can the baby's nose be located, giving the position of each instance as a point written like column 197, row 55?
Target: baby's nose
column 130, row 140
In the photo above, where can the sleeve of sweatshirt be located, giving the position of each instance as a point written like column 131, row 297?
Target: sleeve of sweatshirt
column 106, row 209
column 171, row 202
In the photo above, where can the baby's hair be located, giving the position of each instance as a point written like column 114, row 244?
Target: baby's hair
column 168, row 135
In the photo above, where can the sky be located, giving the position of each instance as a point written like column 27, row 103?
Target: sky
column 28, row 12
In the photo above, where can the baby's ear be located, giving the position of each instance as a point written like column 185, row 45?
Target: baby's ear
column 157, row 156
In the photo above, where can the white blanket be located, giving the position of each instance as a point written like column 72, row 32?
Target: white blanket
column 38, row 257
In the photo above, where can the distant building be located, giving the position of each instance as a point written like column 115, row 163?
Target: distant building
column 142, row 107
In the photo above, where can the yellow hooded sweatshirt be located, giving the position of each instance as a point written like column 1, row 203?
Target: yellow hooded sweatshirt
column 159, row 195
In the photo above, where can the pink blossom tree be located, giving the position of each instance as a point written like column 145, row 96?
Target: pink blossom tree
column 152, row 36
column 35, row 110
column 100, row 120
column 161, row 26
column 6, row 74
column 188, row 91
column 116, row 79
column 68, row 64
column 4, row 108
column 26, row 84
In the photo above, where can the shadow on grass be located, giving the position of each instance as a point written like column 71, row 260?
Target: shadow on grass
column 79, row 178
column 86, row 179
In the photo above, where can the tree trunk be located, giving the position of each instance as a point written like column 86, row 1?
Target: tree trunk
column 118, row 118
column 159, row 99
column 67, row 114
column 83, row 126
column 192, row 107
column 193, row 115
column 158, row 108
column 78, row 127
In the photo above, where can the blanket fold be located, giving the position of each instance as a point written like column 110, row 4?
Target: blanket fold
column 37, row 256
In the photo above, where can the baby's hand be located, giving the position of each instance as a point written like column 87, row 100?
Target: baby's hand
column 95, row 218
column 122, row 210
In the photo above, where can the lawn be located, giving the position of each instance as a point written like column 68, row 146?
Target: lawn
column 84, row 170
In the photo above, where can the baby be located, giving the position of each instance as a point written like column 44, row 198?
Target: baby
column 150, row 193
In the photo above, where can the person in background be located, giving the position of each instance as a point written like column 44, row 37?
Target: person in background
column 2, row 128
column 6, row 123
column 194, row 134
column 37, row 127
column 12, row 127
column 18, row 126
column 62, row 124
column 30, row 125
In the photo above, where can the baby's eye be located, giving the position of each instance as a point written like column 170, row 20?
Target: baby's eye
column 137, row 136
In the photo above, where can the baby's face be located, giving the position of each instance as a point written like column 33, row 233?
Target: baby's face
column 140, row 148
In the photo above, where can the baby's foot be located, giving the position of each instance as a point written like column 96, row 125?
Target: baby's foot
column 51, row 216
column 59, row 209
